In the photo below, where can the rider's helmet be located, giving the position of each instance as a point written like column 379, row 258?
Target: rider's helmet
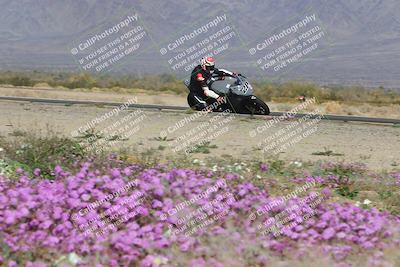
column 207, row 64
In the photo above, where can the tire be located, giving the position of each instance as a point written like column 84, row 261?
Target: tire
column 257, row 106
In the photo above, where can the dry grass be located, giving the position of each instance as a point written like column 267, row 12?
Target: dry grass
column 332, row 107
column 383, row 111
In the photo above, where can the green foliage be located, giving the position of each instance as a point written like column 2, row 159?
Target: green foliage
column 345, row 187
column 344, row 170
column 347, row 192
column 326, row 152
column 202, row 148
column 90, row 135
column 385, row 194
column 276, row 166
column 30, row 152
column 8, row 167
column 392, row 203
column 162, row 139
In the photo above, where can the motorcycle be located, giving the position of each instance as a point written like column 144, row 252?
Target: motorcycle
column 238, row 94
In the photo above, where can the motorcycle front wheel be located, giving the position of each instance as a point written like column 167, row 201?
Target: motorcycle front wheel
column 257, row 106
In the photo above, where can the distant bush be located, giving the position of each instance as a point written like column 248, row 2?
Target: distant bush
column 80, row 81
column 16, row 79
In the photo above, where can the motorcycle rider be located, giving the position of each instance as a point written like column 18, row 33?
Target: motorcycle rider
column 200, row 96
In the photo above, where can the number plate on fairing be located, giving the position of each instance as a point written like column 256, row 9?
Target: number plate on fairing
column 244, row 87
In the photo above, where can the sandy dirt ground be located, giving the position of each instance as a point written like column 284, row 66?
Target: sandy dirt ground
column 245, row 138
column 161, row 99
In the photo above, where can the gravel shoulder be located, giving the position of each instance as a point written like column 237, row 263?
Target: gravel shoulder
column 377, row 146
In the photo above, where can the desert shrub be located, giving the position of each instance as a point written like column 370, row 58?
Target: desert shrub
column 264, row 90
column 31, row 152
column 293, row 89
column 21, row 81
column 333, row 107
column 81, row 81
column 16, row 79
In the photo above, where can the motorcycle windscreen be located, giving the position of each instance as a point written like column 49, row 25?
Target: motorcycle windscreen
column 222, row 86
